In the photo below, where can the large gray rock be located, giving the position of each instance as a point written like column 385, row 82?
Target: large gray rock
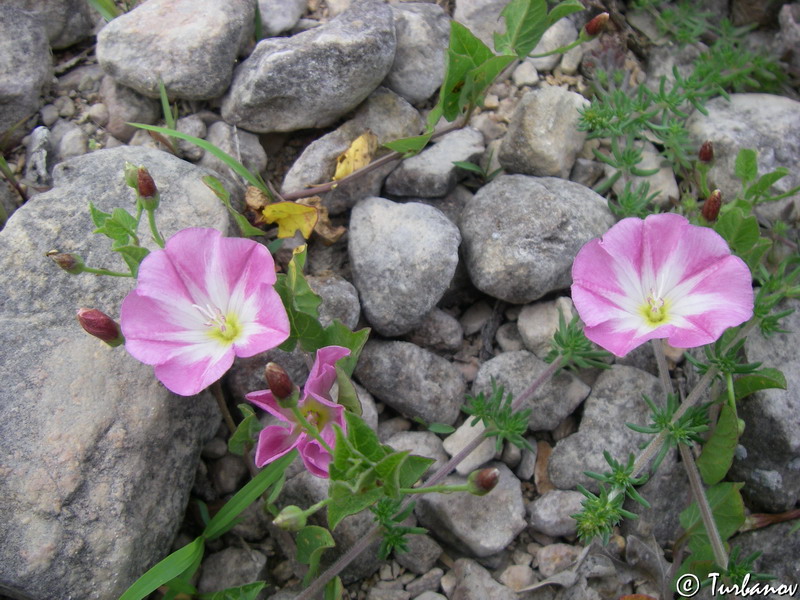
column 278, row 16
column 66, row 21
column 476, row 525
column 411, row 380
column 96, row 456
column 543, row 137
column 522, row 233
column 423, row 31
column 25, row 66
column 386, row 115
column 762, row 122
column 562, row 33
column 473, row 582
column 190, row 45
column 515, row 371
column 314, row 77
column 768, row 460
column 126, row 106
column 616, row 399
column 551, row 513
column 403, row 257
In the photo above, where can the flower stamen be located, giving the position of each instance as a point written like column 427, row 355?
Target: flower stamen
column 655, row 309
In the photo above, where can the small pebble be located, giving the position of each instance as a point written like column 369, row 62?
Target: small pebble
column 517, row 577
column 99, row 114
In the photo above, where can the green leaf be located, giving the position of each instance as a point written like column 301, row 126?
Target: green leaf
column 312, row 541
column 235, row 165
column 480, row 78
column 304, row 298
column 363, row 439
column 753, row 256
column 166, row 570
column 746, row 167
column 388, row 471
column 338, row 334
column 120, row 226
column 564, row 9
column 301, row 305
column 411, row 145
column 346, row 503
column 348, row 397
column 246, row 432
column 98, row 216
column 245, row 228
column 334, row 589
column 225, row 518
column 468, row 166
column 249, row 591
column 526, row 22
column 739, row 231
column 763, row 379
column 464, row 53
column 133, row 256
column 442, row 428
column 717, row 456
column 726, row 506
column 412, row 469
column 766, row 181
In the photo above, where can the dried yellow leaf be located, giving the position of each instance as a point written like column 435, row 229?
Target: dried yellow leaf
column 358, row 155
column 291, row 217
column 328, row 232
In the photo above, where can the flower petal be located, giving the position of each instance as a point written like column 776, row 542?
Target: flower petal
column 273, row 442
column 323, row 372
column 315, row 457
column 265, row 324
column 193, row 369
column 265, row 400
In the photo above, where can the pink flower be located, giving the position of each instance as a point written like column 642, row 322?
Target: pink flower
column 659, row 278
column 316, row 406
column 199, row 302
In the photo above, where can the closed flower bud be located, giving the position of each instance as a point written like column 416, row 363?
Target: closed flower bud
column 278, row 381
column 711, row 206
column 71, row 263
column 131, row 173
column 291, row 518
column 484, row 481
column 597, row 24
column 148, row 192
column 101, row 326
column 706, row 152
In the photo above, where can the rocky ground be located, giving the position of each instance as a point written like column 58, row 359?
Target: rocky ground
column 460, row 280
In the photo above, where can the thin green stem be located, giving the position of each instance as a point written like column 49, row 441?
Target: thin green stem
column 696, row 484
column 216, row 390
column 151, row 219
column 663, row 369
column 441, row 489
column 106, row 272
column 731, row 392
column 321, row 504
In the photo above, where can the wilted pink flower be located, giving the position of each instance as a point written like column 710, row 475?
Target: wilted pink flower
column 199, row 302
column 316, row 406
column 659, row 278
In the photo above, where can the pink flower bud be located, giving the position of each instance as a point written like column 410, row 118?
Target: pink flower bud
column 100, row 325
column 278, row 381
column 711, row 206
column 484, row 481
column 706, row 152
column 597, row 24
column 71, row 263
column 148, row 192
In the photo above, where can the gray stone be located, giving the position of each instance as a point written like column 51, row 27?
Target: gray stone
column 475, row 317
column 99, row 114
column 231, row 567
column 339, row 299
column 430, row 596
column 421, row 443
column 253, row 523
column 342, row 61
column 616, row 399
column 521, row 234
column 543, row 138
column 555, row 558
column 411, row 380
column 473, row 582
column 66, row 21
column 122, row 449
column 40, row 158
column 423, row 552
column 418, row 255
column 481, row 17
column 242, row 145
column 423, row 31
column 191, row 125
column 386, row 115
column 68, row 140
column 126, row 106
column 561, row 33
column 9, row 199
column 227, row 473
column 380, row 593
column 770, row 465
column 438, row 331
column 189, row 45
column 538, row 323
column 49, row 114
column 663, row 181
column 508, row 338
column 461, row 438
column 779, row 548
column 278, row 16
column 527, row 462
column 431, row 173
column 515, row 371
column 428, row 582
column 25, row 66
column 762, row 122
column 525, row 74
column 551, row 513
column 476, row 525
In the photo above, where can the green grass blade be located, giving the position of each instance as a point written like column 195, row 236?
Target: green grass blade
column 169, row 568
column 107, row 9
column 234, row 164
column 246, row 496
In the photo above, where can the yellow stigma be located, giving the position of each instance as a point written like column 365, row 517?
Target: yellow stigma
column 223, row 328
column 655, row 309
